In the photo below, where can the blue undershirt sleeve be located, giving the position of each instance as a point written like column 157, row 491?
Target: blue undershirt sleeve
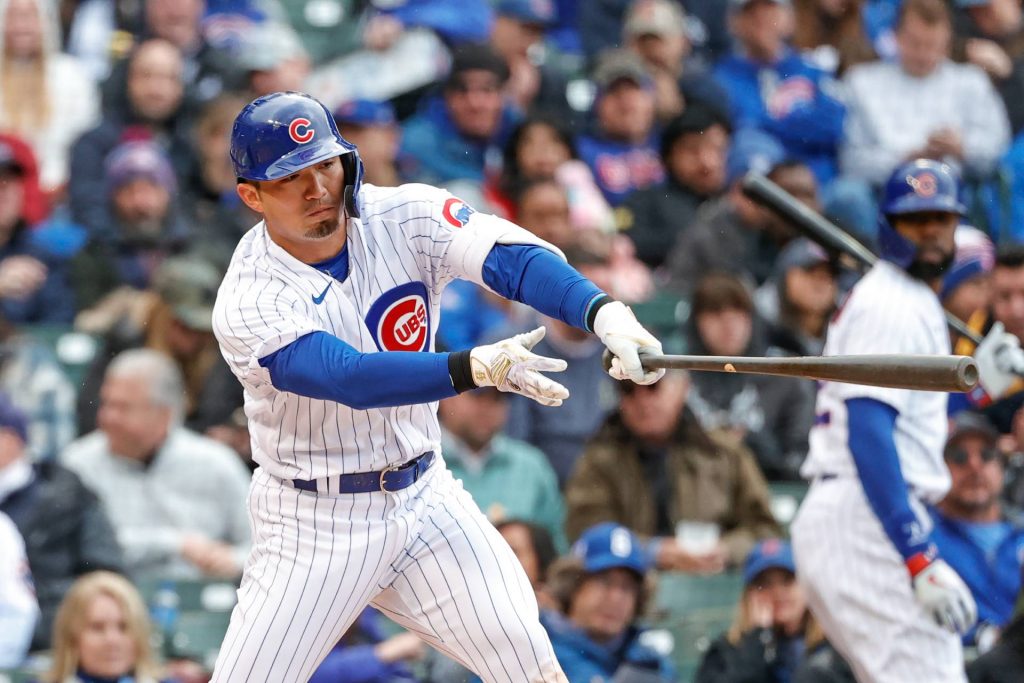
column 321, row 366
column 871, row 425
column 538, row 277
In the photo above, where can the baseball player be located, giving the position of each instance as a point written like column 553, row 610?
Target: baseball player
column 873, row 578
column 327, row 316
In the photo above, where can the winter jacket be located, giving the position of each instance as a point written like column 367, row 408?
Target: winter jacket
column 761, row 656
column 655, row 217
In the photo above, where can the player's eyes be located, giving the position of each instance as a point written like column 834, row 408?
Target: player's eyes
column 327, row 164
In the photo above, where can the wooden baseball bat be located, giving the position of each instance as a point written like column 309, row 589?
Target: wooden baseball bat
column 919, row 372
column 813, row 225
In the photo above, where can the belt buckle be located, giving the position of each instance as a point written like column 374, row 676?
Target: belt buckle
column 384, row 473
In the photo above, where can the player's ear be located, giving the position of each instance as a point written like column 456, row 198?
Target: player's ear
column 250, row 194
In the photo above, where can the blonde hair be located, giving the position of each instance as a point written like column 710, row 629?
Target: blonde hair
column 26, row 102
column 70, row 622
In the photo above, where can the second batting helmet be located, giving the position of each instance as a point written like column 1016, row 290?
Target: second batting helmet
column 282, row 133
column 915, row 187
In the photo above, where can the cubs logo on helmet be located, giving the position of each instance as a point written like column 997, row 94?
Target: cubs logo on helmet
column 924, row 184
column 457, row 212
column 400, row 319
column 300, row 130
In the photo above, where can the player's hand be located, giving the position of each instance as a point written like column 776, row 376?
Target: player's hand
column 945, row 596
column 213, row 558
column 21, row 276
column 617, row 327
column 510, row 365
column 402, row 647
column 1000, row 361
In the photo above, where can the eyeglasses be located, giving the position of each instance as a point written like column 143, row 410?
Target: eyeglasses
column 959, row 456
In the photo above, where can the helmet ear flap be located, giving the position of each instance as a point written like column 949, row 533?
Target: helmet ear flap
column 353, row 168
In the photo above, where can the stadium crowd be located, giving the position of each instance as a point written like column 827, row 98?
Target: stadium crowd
column 617, row 130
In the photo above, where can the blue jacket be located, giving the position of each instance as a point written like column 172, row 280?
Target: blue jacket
column 620, row 168
column 433, row 151
column 995, row 580
column 354, row 660
column 585, row 661
column 456, row 21
column 790, row 100
column 54, row 301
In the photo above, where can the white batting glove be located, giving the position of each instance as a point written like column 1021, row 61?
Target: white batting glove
column 509, row 365
column 617, row 327
column 945, row 596
column 1000, row 361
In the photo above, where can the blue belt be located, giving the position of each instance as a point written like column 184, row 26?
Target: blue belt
column 386, row 481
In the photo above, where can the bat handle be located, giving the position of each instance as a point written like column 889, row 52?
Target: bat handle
column 606, row 359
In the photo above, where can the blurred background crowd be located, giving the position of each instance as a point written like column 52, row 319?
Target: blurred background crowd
column 651, row 519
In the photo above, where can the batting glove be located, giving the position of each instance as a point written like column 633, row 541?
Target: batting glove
column 617, row 327
column 942, row 593
column 1000, row 361
column 509, row 365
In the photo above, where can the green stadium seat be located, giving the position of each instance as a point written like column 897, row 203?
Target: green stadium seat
column 198, row 636
column 208, row 595
column 18, row 676
column 73, row 350
column 786, row 497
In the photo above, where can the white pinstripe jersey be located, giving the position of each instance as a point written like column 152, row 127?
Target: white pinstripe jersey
column 887, row 311
column 407, row 245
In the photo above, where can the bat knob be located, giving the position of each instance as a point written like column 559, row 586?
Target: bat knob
column 967, row 373
column 606, row 360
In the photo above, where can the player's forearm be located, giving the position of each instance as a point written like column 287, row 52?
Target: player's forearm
column 538, row 278
column 872, row 424
column 321, row 366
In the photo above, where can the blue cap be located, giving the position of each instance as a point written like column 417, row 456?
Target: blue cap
column 365, row 113
column 610, row 546
column 752, row 150
column 772, row 553
column 530, row 11
column 11, row 417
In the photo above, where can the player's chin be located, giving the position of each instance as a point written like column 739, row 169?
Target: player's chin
column 324, row 228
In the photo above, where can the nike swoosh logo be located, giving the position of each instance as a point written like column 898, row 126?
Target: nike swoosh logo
column 320, row 299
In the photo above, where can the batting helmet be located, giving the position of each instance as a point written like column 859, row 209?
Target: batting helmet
column 282, row 133
column 917, row 186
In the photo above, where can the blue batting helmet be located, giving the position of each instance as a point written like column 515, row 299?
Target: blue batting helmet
column 282, row 133
column 915, row 187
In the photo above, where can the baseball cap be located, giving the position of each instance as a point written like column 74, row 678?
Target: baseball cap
column 752, row 150
column 655, row 17
column 188, row 285
column 972, row 3
column 541, row 12
column 620, row 65
column 968, row 422
column 139, row 159
column 610, row 546
column 740, row 4
column 771, row 553
column 365, row 113
column 11, row 417
column 975, row 255
column 267, row 45
column 800, row 253
column 475, row 57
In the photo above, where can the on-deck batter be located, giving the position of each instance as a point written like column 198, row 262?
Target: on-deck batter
column 327, row 316
column 873, row 578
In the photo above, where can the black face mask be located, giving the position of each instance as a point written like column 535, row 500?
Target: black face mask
column 930, row 271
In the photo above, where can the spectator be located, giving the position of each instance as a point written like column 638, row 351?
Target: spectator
column 328, row 33
column 766, row 640
column 923, row 105
column 800, row 298
column 46, row 96
column 771, row 416
column 151, row 109
column 656, row 31
column 208, row 198
column 989, row 36
column 67, row 532
column 832, row 35
column 146, row 226
column 730, row 233
column 507, row 478
column 693, row 149
column 146, row 468
column 972, row 530
column 33, row 277
column 175, row 317
column 1004, row 662
column 535, row 550
column 775, row 90
column 651, row 466
column 562, row 434
column 602, row 588
column 966, row 287
column 102, row 633
column 371, row 126
column 449, row 138
column 542, row 207
column 36, row 383
column 18, row 608
column 366, row 654
column 621, row 150
column 273, row 59
column 517, row 35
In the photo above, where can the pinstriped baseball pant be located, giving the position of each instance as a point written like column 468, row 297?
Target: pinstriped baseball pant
column 425, row 556
column 859, row 591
